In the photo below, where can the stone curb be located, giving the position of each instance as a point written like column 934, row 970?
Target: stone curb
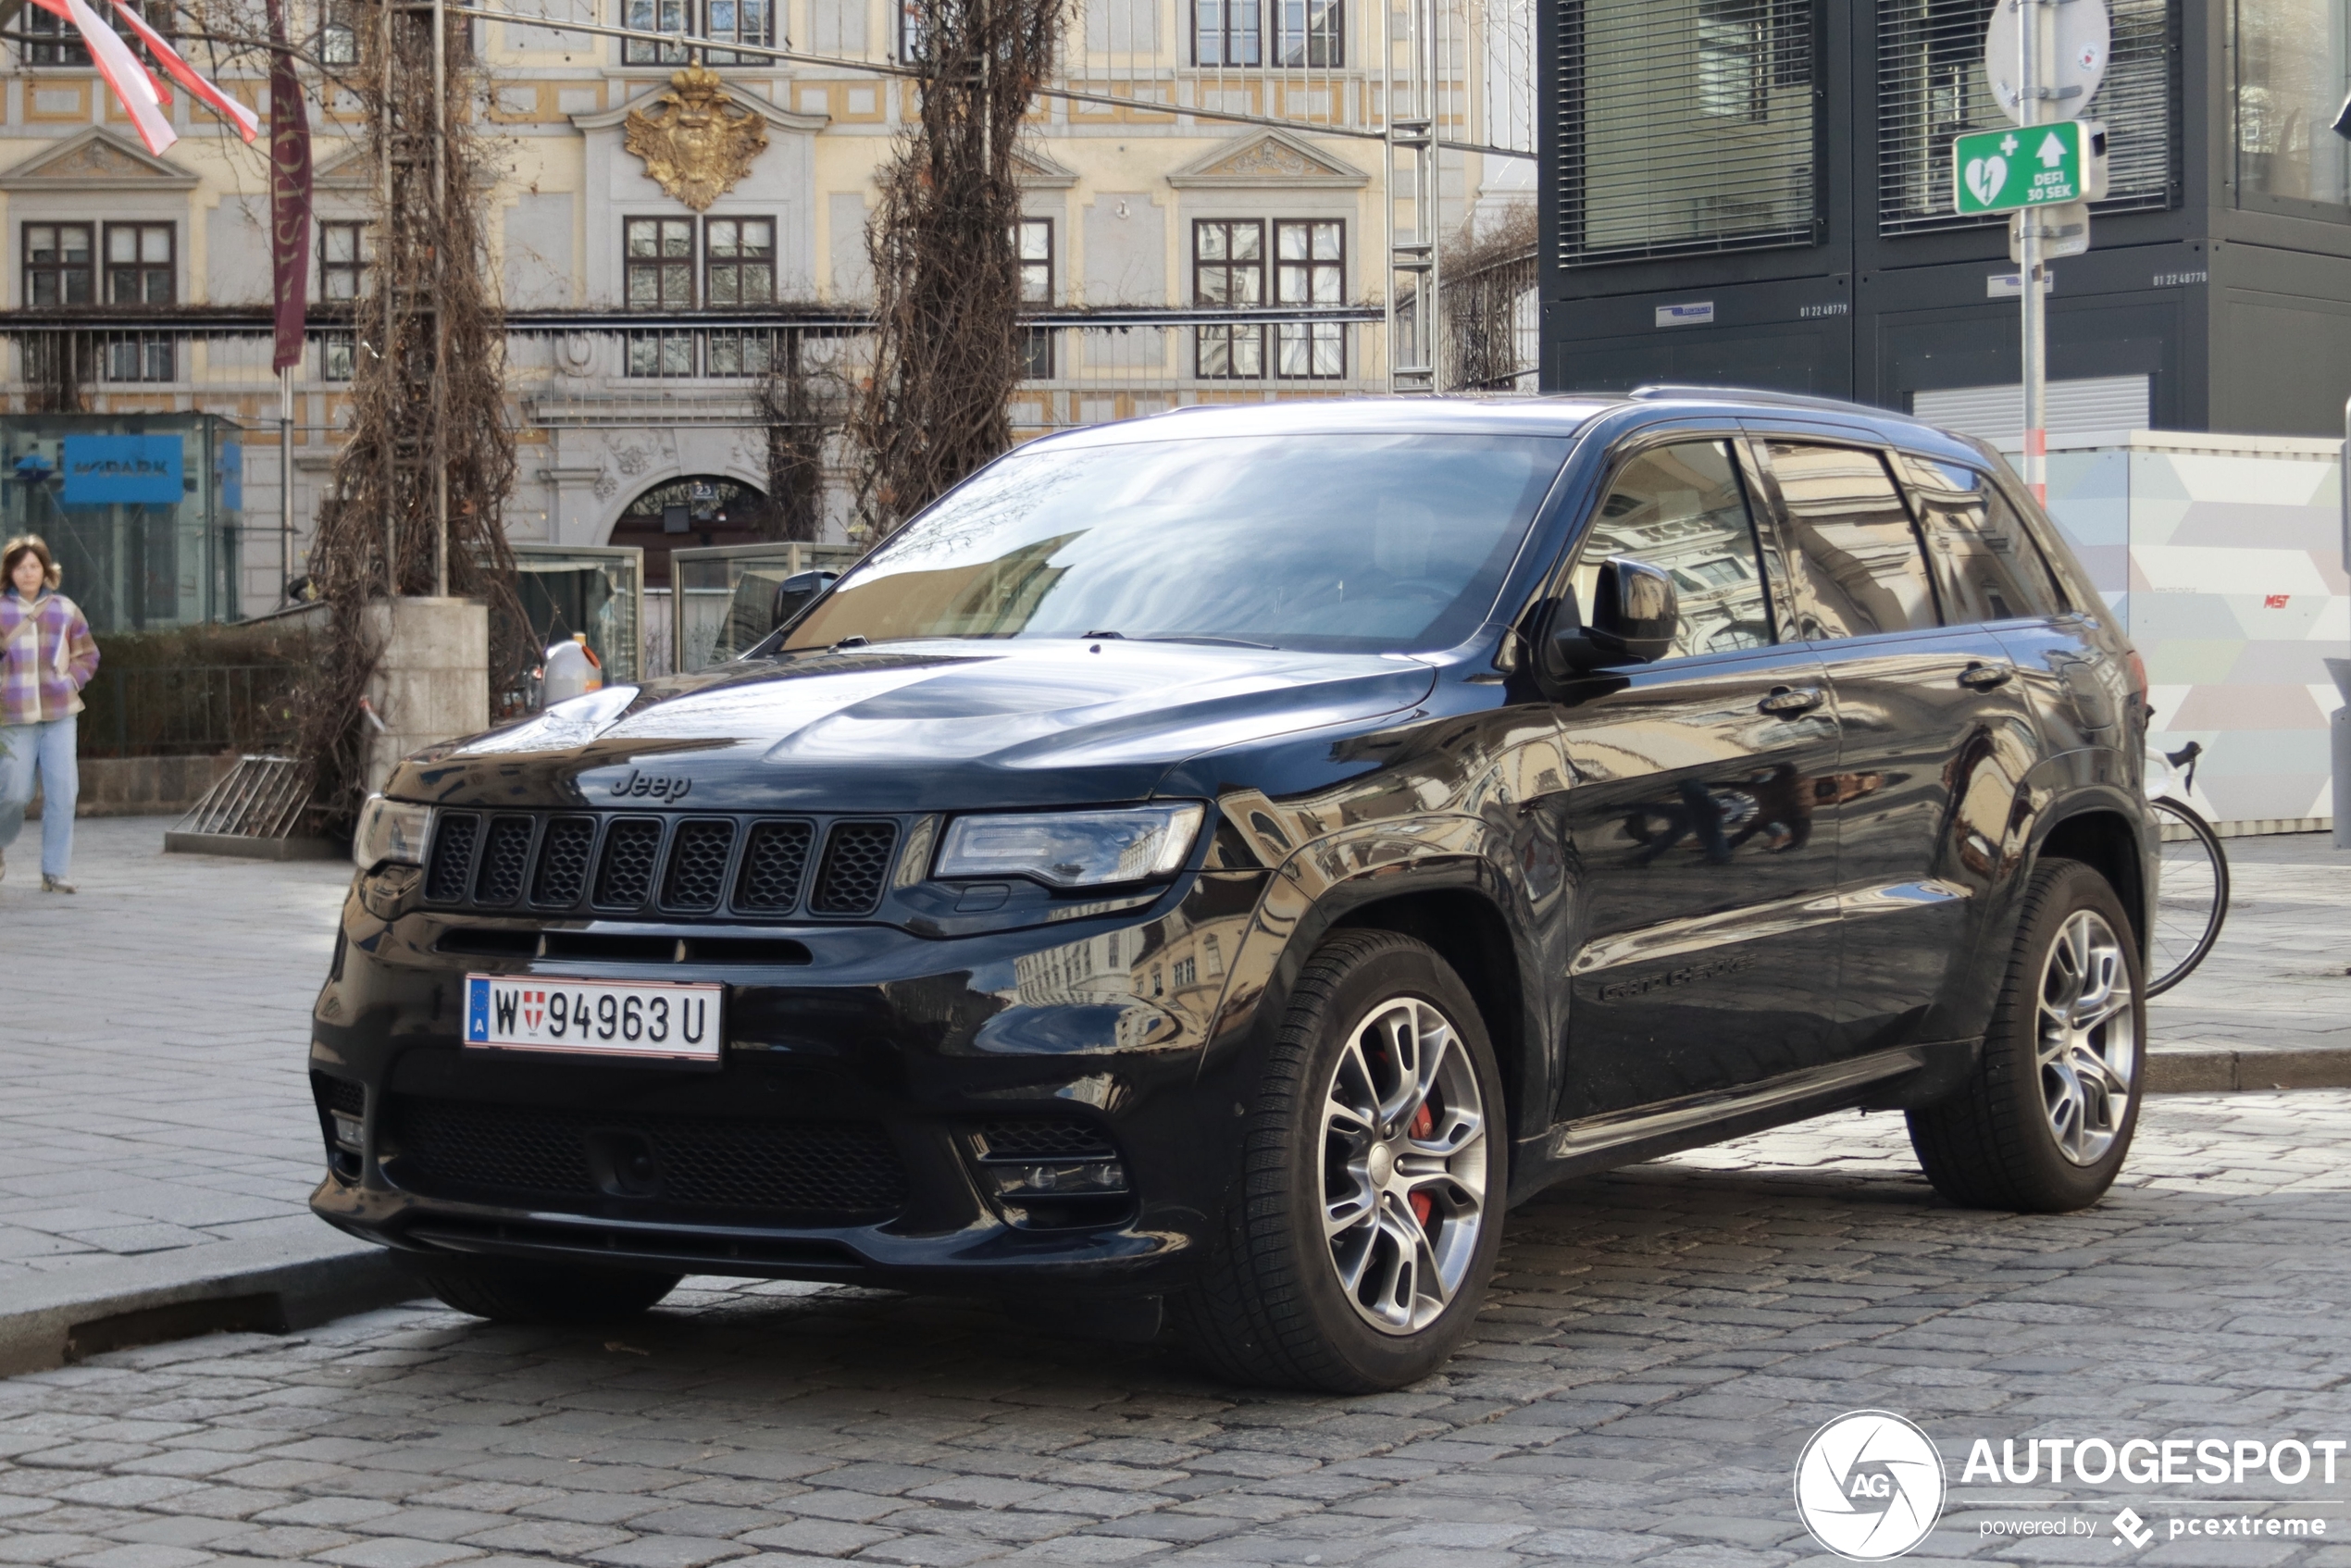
column 2207, row 1071
column 270, row 1285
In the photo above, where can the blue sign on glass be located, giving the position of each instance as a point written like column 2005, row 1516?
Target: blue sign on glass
column 232, row 477
column 129, row 470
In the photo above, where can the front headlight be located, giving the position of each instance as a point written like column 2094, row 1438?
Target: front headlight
column 391, row 830
column 1074, row 849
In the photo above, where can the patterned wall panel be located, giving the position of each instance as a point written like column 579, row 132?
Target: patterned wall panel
column 2222, row 555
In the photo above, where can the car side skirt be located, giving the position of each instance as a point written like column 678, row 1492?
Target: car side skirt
column 1901, row 1076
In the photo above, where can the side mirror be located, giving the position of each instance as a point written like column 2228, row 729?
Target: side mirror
column 1636, row 616
column 796, row 592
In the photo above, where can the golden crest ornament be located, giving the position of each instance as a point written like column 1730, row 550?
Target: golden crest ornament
column 696, row 141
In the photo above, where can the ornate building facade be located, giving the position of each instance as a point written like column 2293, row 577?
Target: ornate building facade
column 663, row 228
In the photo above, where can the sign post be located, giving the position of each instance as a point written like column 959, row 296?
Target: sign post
column 2044, row 60
column 2030, row 265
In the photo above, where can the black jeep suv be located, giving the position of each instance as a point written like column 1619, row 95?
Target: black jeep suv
column 1203, row 870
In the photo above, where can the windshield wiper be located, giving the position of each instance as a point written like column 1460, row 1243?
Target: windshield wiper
column 1225, row 642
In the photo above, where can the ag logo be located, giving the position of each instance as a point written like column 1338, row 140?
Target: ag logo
column 1868, row 1485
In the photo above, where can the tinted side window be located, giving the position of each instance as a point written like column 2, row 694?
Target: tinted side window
column 1986, row 565
column 1681, row 509
column 1855, row 557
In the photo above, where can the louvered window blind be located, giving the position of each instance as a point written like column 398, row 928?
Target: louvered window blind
column 1931, row 88
column 1686, row 126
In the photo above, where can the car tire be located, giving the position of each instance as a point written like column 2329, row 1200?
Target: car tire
column 510, row 1290
column 1380, row 1107
column 2045, row 1122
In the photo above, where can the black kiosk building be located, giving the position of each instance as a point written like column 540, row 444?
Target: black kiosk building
column 1758, row 193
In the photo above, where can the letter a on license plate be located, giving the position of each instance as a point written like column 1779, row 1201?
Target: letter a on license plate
column 641, row 1019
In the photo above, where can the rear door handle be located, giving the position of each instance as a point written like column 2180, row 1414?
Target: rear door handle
column 1983, row 678
column 1791, row 699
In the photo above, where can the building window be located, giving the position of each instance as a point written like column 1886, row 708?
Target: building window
column 338, row 35
column 139, row 264
column 661, row 354
column 1228, row 272
column 1033, row 240
column 1310, row 268
column 49, row 39
column 344, row 251
column 1227, row 33
column 139, row 356
column 1037, row 354
column 732, row 21
column 1311, row 34
column 741, row 353
column 1932, row 87
column 338, row 355
column 59, row 266
column 659, row 262
column 1637, row 177
column 2291, row 58
column 739, row 260
column 912, row 35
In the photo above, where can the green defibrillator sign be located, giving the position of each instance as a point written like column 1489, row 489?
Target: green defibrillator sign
column 2026, row 167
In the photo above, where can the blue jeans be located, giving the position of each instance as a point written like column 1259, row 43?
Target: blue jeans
column 47, row 748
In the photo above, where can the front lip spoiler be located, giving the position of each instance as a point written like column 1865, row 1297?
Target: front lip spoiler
column 414, row 1226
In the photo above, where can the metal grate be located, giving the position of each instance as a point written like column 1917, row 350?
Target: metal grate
column 563, row 862
column 639, row 865
column 697, row 877
column 339, row 1094
column 856, row 863
column 1686, row 126
column 624, row 871
column 453, row 855
column 260, row 798
column 505, row 857
column 836, row 1169
column 773, row 862
column 1932, row 87
column 1043, row 1137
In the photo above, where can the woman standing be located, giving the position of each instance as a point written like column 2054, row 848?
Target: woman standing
column 46, row 657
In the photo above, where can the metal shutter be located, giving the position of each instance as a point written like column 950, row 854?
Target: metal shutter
column 1931, row 87
column 1686, row 126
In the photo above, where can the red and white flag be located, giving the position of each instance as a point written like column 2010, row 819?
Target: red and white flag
column 139, row 91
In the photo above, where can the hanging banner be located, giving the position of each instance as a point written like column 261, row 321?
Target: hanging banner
column 288, row 195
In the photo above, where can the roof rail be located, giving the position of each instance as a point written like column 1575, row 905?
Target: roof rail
column 1750, row 394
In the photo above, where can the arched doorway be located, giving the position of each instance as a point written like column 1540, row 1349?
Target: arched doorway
column 689, row 512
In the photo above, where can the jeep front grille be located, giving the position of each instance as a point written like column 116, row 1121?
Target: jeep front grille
column 650, row 867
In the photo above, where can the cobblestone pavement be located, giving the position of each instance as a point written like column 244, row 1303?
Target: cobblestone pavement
column 151, row 1087
column 152, row 1094
column 1660, row 1344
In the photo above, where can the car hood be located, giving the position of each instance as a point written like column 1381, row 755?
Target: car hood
column 915, row 725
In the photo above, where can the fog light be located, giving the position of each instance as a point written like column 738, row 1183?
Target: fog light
column 1057, row 1178
column 349, row 1132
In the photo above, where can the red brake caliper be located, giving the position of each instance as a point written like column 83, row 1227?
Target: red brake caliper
column 1424, row 1125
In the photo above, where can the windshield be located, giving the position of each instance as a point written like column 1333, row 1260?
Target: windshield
column 1369, row 544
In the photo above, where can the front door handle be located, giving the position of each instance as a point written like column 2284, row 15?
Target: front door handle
column 1788, row 701
column 1983, row 678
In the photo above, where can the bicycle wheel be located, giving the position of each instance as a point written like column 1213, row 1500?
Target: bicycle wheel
column 2191, row 900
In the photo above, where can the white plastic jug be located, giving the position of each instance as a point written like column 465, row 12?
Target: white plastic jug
column 572, row 671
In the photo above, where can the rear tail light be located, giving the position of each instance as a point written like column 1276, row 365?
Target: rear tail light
column 2139, row 681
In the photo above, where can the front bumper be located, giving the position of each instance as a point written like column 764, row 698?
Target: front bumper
column 869, row 1101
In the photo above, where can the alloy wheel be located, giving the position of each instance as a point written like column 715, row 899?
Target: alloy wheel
column 1403, row 1164
column 2088, row 1037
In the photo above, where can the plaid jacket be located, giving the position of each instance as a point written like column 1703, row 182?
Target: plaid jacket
column 46, row 657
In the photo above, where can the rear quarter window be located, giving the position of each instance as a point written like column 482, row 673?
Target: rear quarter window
column 1986, row 562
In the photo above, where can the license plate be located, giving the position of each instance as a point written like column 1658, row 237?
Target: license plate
column 634, row 1018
